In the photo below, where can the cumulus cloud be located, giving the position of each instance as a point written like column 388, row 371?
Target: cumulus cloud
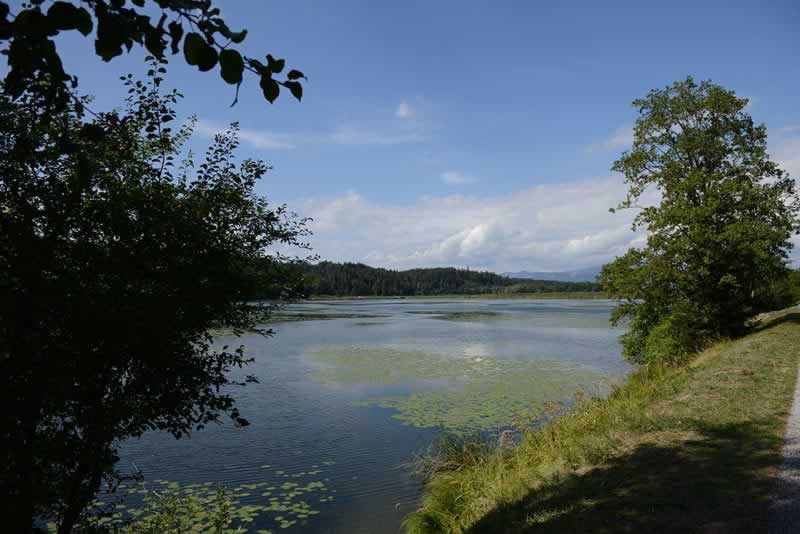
column 404, row 110
column 344, row 136
column 547, row 227
column 454, row 178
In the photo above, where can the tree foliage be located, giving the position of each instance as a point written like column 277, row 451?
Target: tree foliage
column 356, row 279
column 718, row 231
column 116, row 258
column 195, row 26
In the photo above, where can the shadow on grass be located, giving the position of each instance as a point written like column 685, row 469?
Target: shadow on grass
column 717, row 481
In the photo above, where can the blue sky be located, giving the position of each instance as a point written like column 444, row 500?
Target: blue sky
column 474, row 133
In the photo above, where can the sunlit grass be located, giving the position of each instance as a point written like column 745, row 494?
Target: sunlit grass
column 672, row 449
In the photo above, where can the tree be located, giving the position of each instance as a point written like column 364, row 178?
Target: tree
column 35, row 65
column 718, row 237
column 116, row 259
column 356, row 279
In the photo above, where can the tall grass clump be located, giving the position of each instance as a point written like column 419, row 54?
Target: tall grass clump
column 720, row 413
column 456, row 498
column 452, row 452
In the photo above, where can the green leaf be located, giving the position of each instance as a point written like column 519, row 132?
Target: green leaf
column 175, row 33
column 193, row 48
column 232, row 66
column 295, row 75
column 65, row 16
column 259, row 67
column 275, row 65
column 238, row 37
column 198, row 52
column 270, row 88
column 107, row 49
column 296, row 88
column 33, row 22
column 112, row 34
column 154, row 43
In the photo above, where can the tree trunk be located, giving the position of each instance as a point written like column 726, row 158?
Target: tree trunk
column 19, row 498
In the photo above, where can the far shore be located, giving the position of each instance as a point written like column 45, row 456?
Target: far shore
column 567, row 295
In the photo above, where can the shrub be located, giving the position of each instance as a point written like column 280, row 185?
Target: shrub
column 673, row 340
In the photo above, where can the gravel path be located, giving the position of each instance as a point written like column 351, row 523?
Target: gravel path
column 784, row 513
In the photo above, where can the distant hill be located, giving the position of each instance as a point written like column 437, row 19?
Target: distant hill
column 355, row 279
column 580, row 275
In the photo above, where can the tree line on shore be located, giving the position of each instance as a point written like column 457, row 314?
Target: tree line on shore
column 359, row 280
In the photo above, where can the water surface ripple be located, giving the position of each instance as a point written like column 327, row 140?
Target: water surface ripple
column 305, row 429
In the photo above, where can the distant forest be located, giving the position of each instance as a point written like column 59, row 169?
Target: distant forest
column 359, row 280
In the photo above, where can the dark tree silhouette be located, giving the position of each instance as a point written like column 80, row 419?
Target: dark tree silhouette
column 356, row 279
column 116, row 258
column 195, row 26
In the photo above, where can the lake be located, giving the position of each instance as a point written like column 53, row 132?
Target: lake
column 350, row 391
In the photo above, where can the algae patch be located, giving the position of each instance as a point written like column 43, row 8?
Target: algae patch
column 479, row 393
column 471, row 316
column 284, row 317
column 285, row 498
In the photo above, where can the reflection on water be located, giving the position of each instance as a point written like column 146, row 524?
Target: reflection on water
column 344, row 386
column 476, row 350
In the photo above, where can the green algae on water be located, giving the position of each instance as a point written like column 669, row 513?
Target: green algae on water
column 286, row 503
column 380, row 365
column 473, row 316
column 282, row 317
column 477, row 393
column 485, row 315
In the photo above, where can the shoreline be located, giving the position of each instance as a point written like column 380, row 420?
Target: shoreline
column 572, row 295
column 689, row 448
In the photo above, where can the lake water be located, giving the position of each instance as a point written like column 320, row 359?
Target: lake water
column 349, row 391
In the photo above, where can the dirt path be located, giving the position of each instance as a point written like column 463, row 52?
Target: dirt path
column 784, row 514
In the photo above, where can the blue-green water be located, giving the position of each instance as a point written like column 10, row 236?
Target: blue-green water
column 344, row 403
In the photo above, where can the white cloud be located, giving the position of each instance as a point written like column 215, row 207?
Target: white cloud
column 621, row 138
column 454, row 178
column 355, row 136
column 404, row 110
column 547, row 227
column 787, row 153
column 256, row 138
column 344, row 135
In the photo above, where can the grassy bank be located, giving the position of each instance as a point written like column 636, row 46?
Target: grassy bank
column 680, row 450
column 576, row 295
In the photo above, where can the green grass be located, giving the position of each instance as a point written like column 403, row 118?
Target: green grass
column 692, row 449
